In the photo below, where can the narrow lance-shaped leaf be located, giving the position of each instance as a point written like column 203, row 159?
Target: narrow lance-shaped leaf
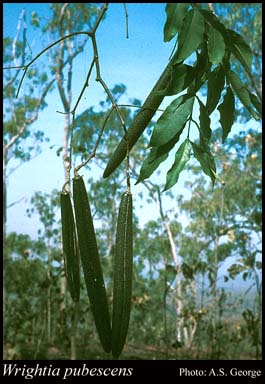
column 227, row 113
column 241, row 92
column 240, row 49
column 181, row 158
column 156, row 157
column 216, row 82
column 200, row 71
column 255, row 101
column 175, row 15
column 214, row 22
column 205, row 129
column 172, row 120
column 216, row 46
column 191, row 35
column 206, row 160
column 182, row 77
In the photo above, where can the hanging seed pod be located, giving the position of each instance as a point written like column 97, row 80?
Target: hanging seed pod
column 123, row 265
column 91, row 263
column 70, row 247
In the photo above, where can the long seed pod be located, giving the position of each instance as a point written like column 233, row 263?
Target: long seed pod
column 91, row 263
column 141, row 120
column 123, row 266
column 70, row 247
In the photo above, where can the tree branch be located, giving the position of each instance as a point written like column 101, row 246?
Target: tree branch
column 32, row 119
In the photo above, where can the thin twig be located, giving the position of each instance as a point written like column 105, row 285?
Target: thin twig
column 85, row 85
column 15, row 202
column 26, row 67
column 126, row 20
column 93, row 153
column 140, row 107
column 101, row 81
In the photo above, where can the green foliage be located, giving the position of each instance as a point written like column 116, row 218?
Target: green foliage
column 172, row 120
column 216, row 46
column 181, row 158
column 205, row 158
column 242, row 92
column 191, row 35
column 182, row 76
column 175, row 16
column 190, row 24
column 216, row 81
column 240, row 49
column 227, row 113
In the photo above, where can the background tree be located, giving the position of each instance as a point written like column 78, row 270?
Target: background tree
column 20, row 143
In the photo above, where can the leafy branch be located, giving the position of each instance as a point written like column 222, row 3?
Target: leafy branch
column 201, row 34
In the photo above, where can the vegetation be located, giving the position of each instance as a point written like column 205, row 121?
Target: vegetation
column 186, row 301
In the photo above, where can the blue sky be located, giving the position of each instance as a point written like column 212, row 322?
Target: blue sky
column 136, row 62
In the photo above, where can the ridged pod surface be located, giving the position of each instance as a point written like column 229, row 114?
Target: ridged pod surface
column 70, row 247
column 123, row 266
column 91, row 263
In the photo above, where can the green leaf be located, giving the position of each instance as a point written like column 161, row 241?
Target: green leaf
column 241, row 92
column 200, row 71
column 227, row 113
column 181, row 158
column 175, row 15
column 187, row 271
column 182, row 77
column 216, row 82
column 235, row 269
column 214, row 22
column 245, row 276
column 255, row 101
column 216, row 46
column 205, row 122
column 240, row 49
column 206, row 159
column 191, row 35
column 172, row 120
column 156, row 157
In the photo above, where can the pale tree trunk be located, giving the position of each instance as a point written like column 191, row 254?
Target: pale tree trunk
column 215, row 275
column 165, row 312
column 179, row 304
column 66, row 98
column 190, row 329
column 74, row 332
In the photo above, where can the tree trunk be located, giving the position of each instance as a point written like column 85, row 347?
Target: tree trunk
column 4, row 240
column 179, row 306
column 74, row 332
column 49, row 300
column 215, row 275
